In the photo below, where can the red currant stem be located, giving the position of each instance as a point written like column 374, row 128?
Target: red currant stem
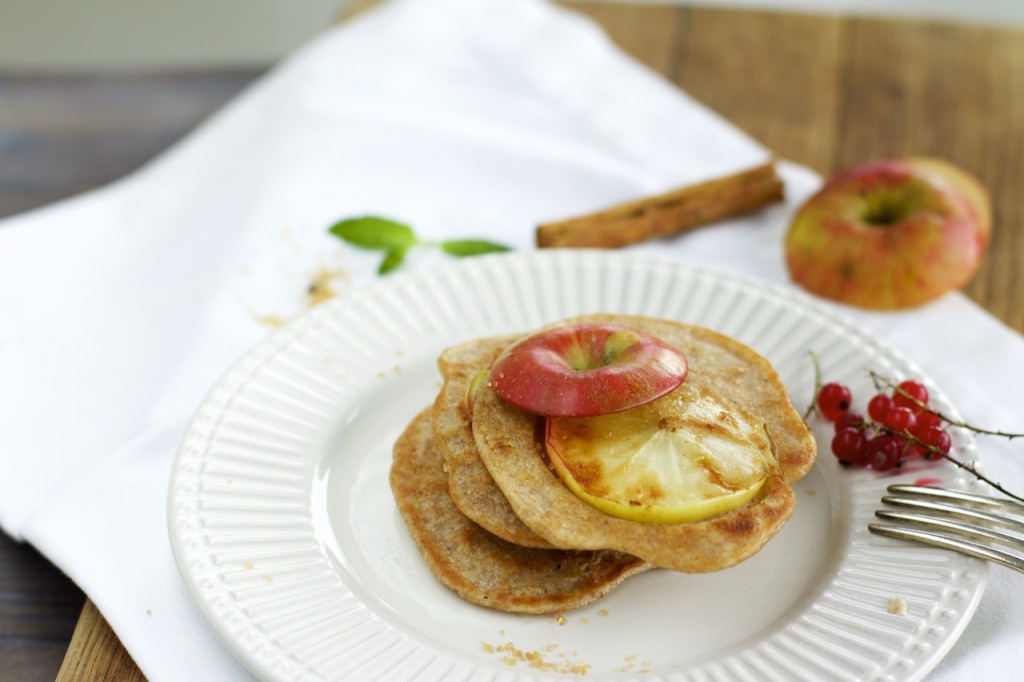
column 970, row 468
column 965, row 466
column 813, row 407
column 883, row 383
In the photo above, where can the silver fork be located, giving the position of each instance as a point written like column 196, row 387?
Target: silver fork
column 954, row 520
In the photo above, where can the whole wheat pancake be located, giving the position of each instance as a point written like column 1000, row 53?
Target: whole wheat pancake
column 471, row 486
column 508, row 443
column 478, row 566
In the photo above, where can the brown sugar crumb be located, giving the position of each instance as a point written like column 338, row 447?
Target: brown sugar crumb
column 321, row 288
column 512, row 656
column 271, row 320
column 897, row 606
column 537, row 662
column 560, row 619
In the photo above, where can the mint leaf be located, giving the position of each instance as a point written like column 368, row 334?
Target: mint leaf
column 471, row 247
column 395, row 239
column 373, row 232
column 392, row 259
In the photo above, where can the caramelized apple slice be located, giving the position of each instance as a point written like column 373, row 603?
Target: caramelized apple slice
column 681, row 458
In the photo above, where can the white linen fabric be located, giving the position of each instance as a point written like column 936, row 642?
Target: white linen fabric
column 122, row 307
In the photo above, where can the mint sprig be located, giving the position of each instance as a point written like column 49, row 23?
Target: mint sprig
column 395, row 239
column 371, row 232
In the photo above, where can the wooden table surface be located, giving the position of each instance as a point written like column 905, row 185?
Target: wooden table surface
column 825, row 91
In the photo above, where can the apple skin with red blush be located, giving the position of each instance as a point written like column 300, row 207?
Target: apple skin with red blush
column 586, row 370
column 891, row 234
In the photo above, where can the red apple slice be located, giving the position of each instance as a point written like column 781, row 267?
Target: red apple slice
column 586, row 370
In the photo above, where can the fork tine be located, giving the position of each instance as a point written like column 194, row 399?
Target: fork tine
column 1012, row 506
column 956, row 544
column 955, row 510
column 941, row 523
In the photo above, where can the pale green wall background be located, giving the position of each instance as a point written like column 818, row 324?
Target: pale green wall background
column 44, row 35
column 63, row 34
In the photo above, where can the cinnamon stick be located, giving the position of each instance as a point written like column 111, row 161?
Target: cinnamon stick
column 667, row 214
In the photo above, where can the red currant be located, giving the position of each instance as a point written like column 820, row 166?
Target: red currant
column 935, row 437
column 909, row 391
column 834, row 400
column 849, row 420
column 927, row 419
column 883, row 453
column 900, row 419
column 879, row 406
column 848, row 445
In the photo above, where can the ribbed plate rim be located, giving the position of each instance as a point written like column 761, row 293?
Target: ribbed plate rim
column 270, row 660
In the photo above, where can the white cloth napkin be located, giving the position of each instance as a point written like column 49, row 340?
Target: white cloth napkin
column 121, row 308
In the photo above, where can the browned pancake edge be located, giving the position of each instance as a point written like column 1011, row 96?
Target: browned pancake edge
column 478, row 566
column 471, row 486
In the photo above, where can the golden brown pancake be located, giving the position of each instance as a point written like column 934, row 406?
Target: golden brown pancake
column 471, row 487
column 478, row 566
column 508, row 443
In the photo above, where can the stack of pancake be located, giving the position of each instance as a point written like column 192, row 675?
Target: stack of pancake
column 497, row 525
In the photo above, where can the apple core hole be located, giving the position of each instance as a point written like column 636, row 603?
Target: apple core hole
column 882, row 218
column 883, row 208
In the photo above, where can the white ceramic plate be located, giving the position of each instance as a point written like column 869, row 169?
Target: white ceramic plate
column 286, row 532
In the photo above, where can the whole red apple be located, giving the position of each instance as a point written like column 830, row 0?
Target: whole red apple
column 890, row 234
column 586, row 370
column 971, row 186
